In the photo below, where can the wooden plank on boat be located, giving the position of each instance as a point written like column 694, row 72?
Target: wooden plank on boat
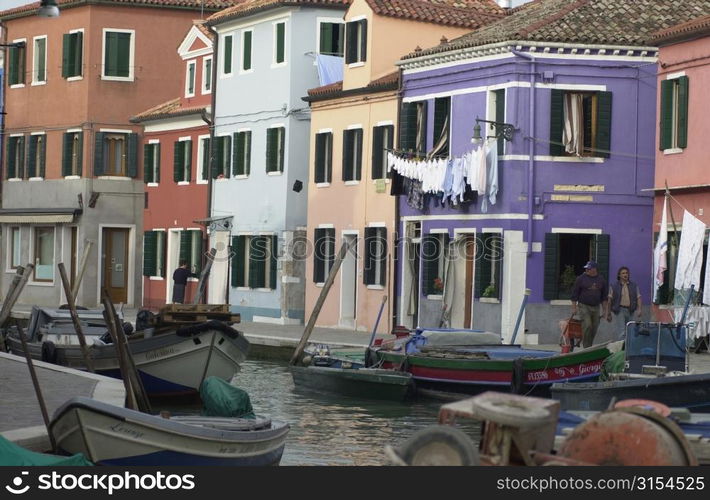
column 195, row 308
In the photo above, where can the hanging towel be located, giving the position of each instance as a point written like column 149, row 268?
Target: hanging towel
column 492, row 184
column 330, row 69
column 690, row 252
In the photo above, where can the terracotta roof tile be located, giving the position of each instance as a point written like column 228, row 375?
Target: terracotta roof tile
column 331, row 88
column 334, row 90
column 465, row 13
column 613, row 22
column 209, row 5
column 698, row 26
column 249, row 7
column 167, row 109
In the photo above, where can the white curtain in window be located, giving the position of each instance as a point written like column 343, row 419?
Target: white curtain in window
column 573, row 132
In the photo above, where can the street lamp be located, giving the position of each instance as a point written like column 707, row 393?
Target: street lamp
column 48, row 8
column 501, row 129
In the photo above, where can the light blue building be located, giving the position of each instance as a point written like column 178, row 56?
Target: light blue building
column 266, row 59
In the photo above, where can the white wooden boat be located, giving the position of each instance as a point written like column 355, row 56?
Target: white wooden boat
column 111, row 435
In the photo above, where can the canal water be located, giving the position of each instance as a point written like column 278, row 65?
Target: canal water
column 327, row 429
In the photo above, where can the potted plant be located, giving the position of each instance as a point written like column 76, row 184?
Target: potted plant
column 567, row 279
column 491, row 292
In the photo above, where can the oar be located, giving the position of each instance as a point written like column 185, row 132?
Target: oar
column 377, row 321
column 520, row 315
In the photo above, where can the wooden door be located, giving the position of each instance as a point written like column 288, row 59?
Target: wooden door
column 115, row 264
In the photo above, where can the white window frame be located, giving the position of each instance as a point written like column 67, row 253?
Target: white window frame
column 131, row 55
column 6, row 75
column 201, row 160
column 207, row 74
column 41, row 136
column 222, row 73
column 234, row 146
column 83, row 54
column 274, row 30
column 329, row 20
column 241, row 45
column 35, row 61
column 10, row 265
column 184, row 171
column 193, row 64
column 33, row 237
column 153, row 143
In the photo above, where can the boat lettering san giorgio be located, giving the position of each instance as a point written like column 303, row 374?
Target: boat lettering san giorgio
column 161, row 353
column 122, row 429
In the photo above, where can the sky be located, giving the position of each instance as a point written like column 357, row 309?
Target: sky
column 9, row 4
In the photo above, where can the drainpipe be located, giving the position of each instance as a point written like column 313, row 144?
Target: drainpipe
column 211, row 121
column 531, row 161
column 397, row 240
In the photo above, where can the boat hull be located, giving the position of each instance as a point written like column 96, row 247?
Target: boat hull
column 169, row 364
column 689, row 391
column 458, row 374
column 368, row 383
column 110, row 435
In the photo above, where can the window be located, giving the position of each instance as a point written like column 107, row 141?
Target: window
column 246, row 49
column 182, row 160
column 15, row 250
column 72, row 60
column 39, row 60
column 207, row 75
column 565, row 256
column 254, row 261
column 375, row 271
column 279, row 43
column 116, row 154
column 190, row 78
column 151, row 163
column 489, row 266
column 356, row 41
column 154, row 253
column 72, row 153
column 16, row 64
column 433, row 255
column 191, row 249
column 331, row 39
column 497, row 110
column 203, row 157
column 440, row 136
column 352, row 154
column 37, row 154
column 674, row 113
column 580, row 123
column 412, row 127
column 118, row 55
column 382, row 140
column 16, row 157
column 242, row 153
column 323, row 254
column 227, row 57
column 324, row 157
column 275, row 139
column 44, row 253
column 222, row 151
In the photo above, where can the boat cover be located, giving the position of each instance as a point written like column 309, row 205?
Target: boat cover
column 222, row 399
column 188, row 331
column 615, row 363
column 460, row 337
column 12, row 454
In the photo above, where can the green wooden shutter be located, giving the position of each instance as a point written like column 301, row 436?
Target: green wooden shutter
column 368, row 275
column 187, row 146
column 378, row 169
column 14, row 65
column 11, row 151
column 273, row 261
column 683, row 111
column 205, row 159
column 602, row 254
column 156, row 153
column 430, row 251
column 318, row 255
column 271, row 149
column 257, row 262
column 238, row 159
column 43, row 157
column 77, row 55
column 319, row 173
column 666, row 125
column 123, row 54
column 67, row 144
column 408, row 126
column 441, row 113
column 348, row 152
column 185, row 246
column 326, row 38
column 238, row 249
column 280, row 42
column 500, row 116
column 382, row 248
column 246, row 57
column 227, row 67
column 603, row 124
column 111, row 54
column 67, row 59
column 32, row 157
column 227, row 154
column 217, row 149
column 552, row 266
column 282, row 148
column 132, row 140
column 196, row 259
column 80, row 154
column 358, row 152
column 556, row 122
column 330, row 238
column 363, row 40
column 351, row 42
column 150, row 253
column 147, row 163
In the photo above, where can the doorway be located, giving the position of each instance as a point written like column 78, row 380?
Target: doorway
column 114, row 276
column 348, row 284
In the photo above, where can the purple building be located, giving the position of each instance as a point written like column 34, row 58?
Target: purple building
column 573, row 86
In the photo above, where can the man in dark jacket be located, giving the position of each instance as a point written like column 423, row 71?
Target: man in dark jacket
column 180, row 282
column 624, row 301
column 589, row 292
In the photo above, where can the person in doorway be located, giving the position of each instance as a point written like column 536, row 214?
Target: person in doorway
column 180, row 282
column 588, row 294
column 624, row 301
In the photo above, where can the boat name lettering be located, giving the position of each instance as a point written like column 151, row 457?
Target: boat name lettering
column 160, row 353
column 539, row 375
column 227, row 450
column 122, row 429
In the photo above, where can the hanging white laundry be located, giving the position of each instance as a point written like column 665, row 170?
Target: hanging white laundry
column 492, row 178
column 690, row 252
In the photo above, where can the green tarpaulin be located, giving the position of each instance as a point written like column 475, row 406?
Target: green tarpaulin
column 15, row 455
column 221, row 399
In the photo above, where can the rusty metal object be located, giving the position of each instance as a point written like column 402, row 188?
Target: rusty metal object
column 628, row 436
